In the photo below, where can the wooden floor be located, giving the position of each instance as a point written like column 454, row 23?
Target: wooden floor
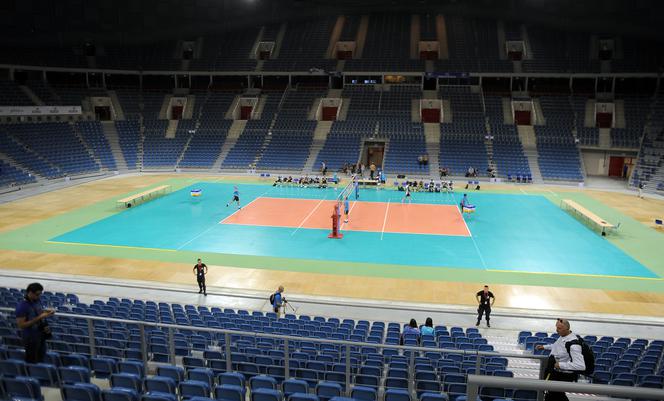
column 27, row 211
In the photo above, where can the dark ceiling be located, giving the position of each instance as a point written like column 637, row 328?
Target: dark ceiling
column 142, row 21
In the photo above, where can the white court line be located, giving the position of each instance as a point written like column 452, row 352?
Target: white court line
column 257, row 198
column 478, row 252
column 221, row 222
column 464, row 223
column 474, row 243
column 382, row 231
column 523, row 192
column 309, row 215
column 553, row 193
column 349, row 212
column 204, row 232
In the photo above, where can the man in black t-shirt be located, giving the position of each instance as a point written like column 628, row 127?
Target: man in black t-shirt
column 485, row 299
column 200, row 270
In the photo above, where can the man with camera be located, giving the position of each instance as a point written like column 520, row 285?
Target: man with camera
column 565, row 360
column 278, row 301
column 31, row 320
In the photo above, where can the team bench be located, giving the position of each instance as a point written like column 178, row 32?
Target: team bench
column 592, row 218
column 129, row 201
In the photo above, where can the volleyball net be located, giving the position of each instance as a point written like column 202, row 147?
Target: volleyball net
column 338, row 209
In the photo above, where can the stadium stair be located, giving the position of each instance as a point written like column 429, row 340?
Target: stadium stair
column 432, row 137
column 111, row 134
column 117, row 107
column 320, row 136
column 233, row 134
column 527, row 137
column 29, row 93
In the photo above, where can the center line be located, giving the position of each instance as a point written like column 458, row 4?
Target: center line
column 306, row 218
column 221, row 222
column 382, row 231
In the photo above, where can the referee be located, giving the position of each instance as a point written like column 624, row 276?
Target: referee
column 200, row 270
column 485, row 299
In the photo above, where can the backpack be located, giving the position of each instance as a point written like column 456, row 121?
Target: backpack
column 272, row 299
column 588, row 355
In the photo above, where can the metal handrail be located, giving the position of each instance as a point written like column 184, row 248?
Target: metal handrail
column 227, row 344
column 475, row 381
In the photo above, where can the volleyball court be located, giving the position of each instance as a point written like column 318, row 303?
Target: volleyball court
column 380, row 217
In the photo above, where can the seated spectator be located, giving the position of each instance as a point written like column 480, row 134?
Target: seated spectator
column 432, row 185
column 491, row 172
column 425, row 160
column 420, row 161
column 428, row 328
column 421, row 186
column 411, row 329
column 444, row 172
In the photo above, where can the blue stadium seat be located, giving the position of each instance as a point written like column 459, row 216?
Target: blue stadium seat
column 160, row 384
column 303, row 397
column 174, row 372
column 433, row 397
column 22, row 387
column 103, row 367
column 229, row 392
column 205, row 375
column 232, row 378
column 362, row 393
column 262, row 381
column 133, row 367
column 119, row 394
column 126, row 380
column 326, row 390
column 81, row 392
column 45, row 373
column 292, row 386
column 397, row 395
column 158, row 397
column 13, row 368
column 74, row 374
column 193, row 388
column 265, row 394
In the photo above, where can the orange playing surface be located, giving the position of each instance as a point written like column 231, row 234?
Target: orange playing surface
column 364, row 216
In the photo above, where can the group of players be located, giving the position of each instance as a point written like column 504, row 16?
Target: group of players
column 305, row 181
column 442, row 186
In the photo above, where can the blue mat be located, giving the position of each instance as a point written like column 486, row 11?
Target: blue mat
column 509, row 232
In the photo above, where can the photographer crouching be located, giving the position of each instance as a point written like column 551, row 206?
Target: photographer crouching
column 31, row 320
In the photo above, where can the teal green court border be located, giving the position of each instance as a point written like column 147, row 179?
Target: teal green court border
column 635, row 239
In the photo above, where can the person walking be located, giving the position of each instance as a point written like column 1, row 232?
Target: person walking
column 568, row 359
column 277, row 300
